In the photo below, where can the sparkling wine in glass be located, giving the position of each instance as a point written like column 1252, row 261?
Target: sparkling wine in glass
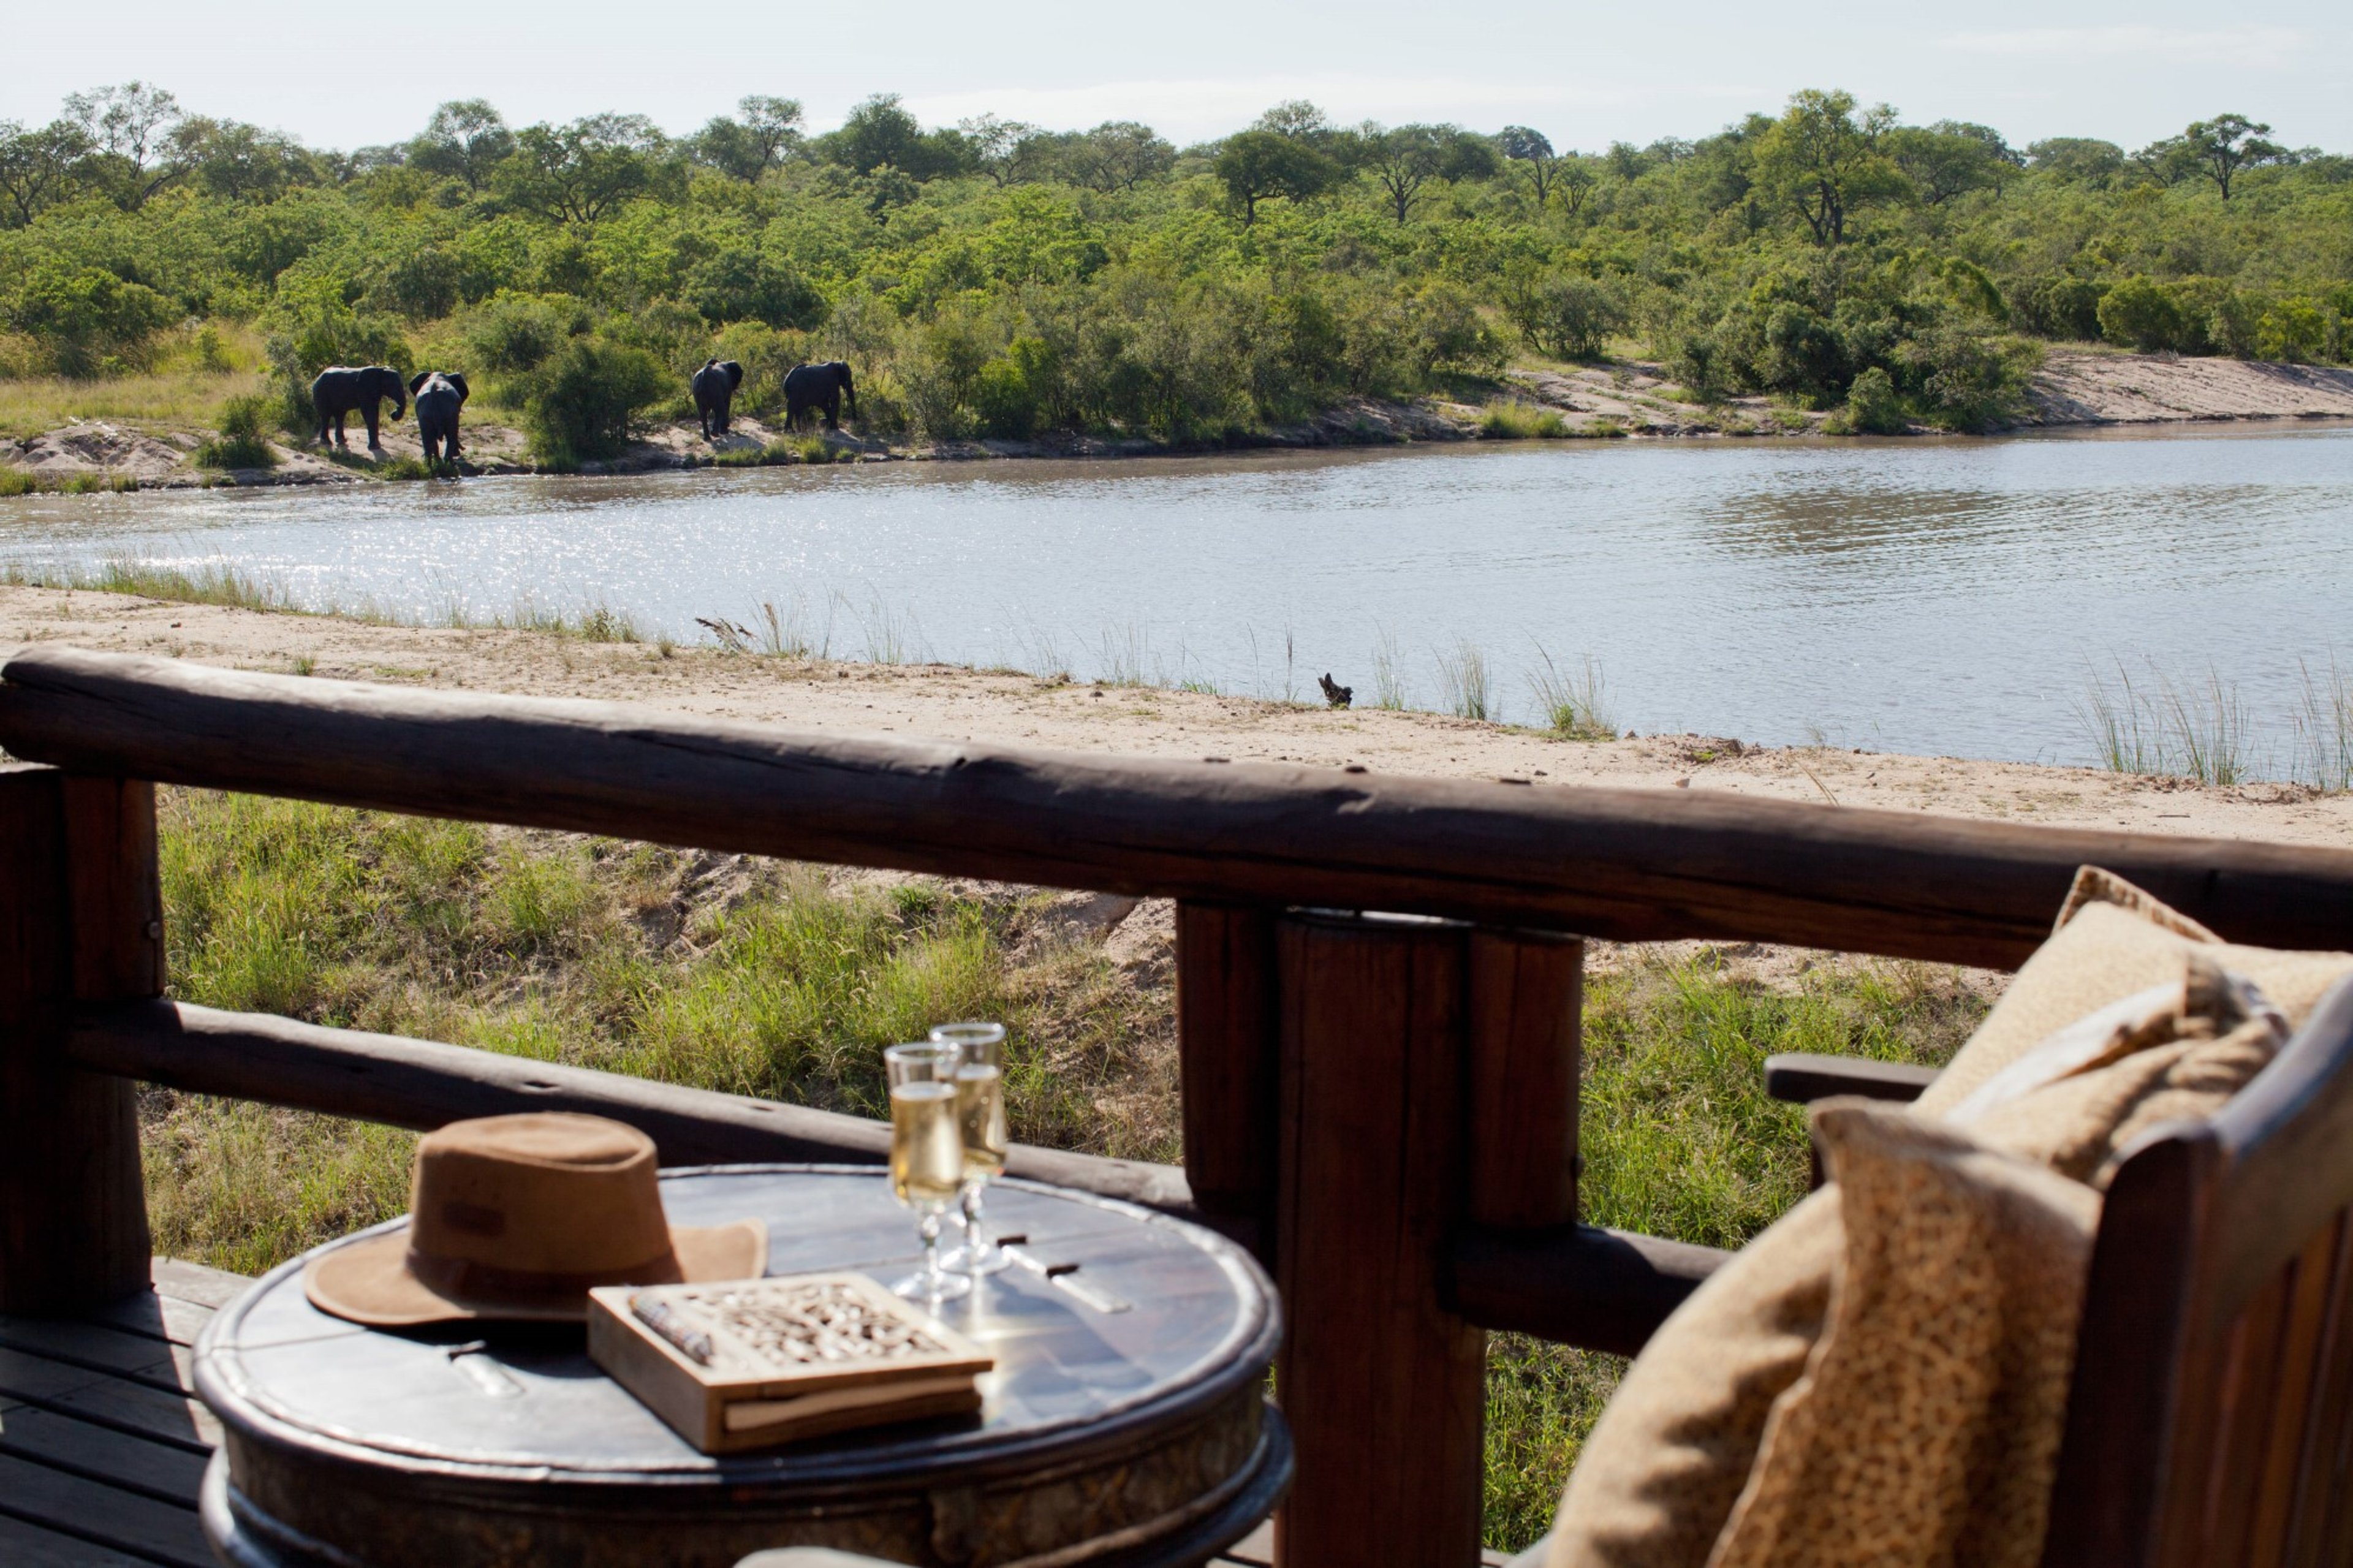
column 926, row 1157
column 980, row 1118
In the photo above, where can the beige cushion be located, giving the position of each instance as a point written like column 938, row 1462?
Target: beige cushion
column 2185, row 1028
column 2112, row 941
column 1925, row 1428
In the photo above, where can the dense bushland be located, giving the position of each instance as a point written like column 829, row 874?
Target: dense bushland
column 995, row 278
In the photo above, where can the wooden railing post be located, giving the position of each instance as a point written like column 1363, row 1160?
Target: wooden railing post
column 1226, row 1031
column 79, row 919
column 1383, row 1386
column 1527, row 1005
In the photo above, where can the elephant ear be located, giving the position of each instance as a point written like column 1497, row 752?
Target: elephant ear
column 417, row 382
column 735, row 372
column 457, row 380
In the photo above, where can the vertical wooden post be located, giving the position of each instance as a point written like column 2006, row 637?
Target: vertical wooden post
column 1226, row 1031
column 1527, row 1005
column 1383, row 1389
column 80, row 919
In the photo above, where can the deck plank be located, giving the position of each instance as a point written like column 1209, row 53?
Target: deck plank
column 24, row 1545
column 157, row 1318
column 159, row 1470
column 196, row 1284
column 165, row 1531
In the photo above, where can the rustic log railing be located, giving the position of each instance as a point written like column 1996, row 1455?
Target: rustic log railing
column 1382, row 1104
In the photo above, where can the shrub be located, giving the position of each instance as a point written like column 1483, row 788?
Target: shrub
column 2057, row 307
column 2294, row 330
column 240, row 443
column 1871, row 406
column 2139, row 314
column 89, row 321
column 510, row 333
column 587, row 399
column 16, row 481
column 1566, row 315
column 1509, row 419
column 1965, row 382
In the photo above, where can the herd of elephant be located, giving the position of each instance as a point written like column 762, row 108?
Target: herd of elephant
column 343, row 390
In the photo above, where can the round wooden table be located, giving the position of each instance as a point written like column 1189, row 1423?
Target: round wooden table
column 1124, row 1425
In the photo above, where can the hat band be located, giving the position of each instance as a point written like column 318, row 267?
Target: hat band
column 463, row 1279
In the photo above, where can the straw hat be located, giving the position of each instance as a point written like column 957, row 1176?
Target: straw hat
column 515, row 1218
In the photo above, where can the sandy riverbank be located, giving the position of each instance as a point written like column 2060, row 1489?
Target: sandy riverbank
column 2075, row 387
column 953, row 703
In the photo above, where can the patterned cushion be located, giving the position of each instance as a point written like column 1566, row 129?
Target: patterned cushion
column 2129, row 1016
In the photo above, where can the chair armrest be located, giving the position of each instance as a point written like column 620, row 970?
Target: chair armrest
column 1799, row 1078
column 810, row 1557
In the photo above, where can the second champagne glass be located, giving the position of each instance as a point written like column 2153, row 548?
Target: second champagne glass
column 980, row 1115
column 926, row 1157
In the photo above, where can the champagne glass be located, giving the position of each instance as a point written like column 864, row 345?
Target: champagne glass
column 980, row 1118
column 926, row 1157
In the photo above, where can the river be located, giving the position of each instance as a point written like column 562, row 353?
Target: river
column 1954, row 597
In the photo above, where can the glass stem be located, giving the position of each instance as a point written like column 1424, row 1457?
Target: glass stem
column 932, row 1273
column 975, row 1234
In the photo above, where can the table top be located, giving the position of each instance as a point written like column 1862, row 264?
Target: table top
column 1195, row 1319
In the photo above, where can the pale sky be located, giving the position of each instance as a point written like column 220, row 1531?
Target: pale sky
column 342, row 75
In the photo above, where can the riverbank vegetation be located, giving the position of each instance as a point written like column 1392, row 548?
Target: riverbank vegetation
column 1001, row 279
column 771, row 979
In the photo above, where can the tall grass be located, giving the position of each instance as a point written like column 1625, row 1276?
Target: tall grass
column 1464, row 678
column 2196, row 731
column 1124, row 653
column 1388, row 678
column 2324, row 729
column 1573, row 702
column 216, row 582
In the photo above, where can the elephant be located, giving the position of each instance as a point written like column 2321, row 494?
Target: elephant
column 342, row 388
column 440, row 394
column 714, row 393
column 819, row 386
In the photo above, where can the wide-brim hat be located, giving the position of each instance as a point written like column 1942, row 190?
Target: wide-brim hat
column 515, row 1218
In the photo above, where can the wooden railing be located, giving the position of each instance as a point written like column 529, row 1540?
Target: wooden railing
column 1383, row 1104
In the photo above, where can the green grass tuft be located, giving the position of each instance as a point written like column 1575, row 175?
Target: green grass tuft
column 1509, row 419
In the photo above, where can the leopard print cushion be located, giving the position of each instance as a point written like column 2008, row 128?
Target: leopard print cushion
column 1674, row 1451
column 1925, row 1428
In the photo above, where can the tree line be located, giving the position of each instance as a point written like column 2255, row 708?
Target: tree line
column 998, row 278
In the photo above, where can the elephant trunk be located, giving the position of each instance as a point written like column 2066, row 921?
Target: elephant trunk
column 848, row 393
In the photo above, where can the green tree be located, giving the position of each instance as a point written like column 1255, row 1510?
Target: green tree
column 237, row 161
column 37, row 166
column 2224, row 145
column 1254, row 166
column 768, row 132
column 1118, row 156
column 464, row 139
column 2077, row 160
column 129, row 128
column 880, row 131
column 1403, row 161
column 580, row 173
column 1822, row 162
column 1007, row 151
column 1951, row 158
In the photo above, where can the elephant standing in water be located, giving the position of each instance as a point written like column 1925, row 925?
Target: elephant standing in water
column 340, row 389
column 714, row 393
column 440, row 394
column 818, row 386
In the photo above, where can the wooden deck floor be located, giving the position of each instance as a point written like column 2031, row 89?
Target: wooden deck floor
column 103, row 1442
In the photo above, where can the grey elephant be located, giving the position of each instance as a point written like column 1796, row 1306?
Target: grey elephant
column 340, row 389
column 714, row 393
column 440, row 394
column 818, row 386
